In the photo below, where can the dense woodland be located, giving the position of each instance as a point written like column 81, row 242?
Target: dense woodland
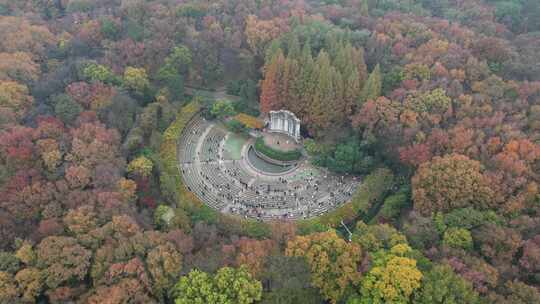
column 435, row 103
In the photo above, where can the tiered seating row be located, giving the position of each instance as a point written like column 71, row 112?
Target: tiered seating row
column 225, row 184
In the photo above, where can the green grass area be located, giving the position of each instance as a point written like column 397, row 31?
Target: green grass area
column 233, row 146
column 261, row 147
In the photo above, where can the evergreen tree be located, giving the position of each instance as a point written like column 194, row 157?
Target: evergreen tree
column 360, row 63
column 294, row 50
column 287, row 77
column 372, row 87
column 351, row 93
column 304, row 83
column 323, row 86
column 364, row 8
column 324, row 91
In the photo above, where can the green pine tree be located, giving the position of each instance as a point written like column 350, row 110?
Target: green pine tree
column 372, row 87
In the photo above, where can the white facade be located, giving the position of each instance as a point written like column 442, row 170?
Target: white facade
column 286, row 122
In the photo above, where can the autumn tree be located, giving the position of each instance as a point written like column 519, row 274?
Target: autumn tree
column 531, row 255
column 125, row 282
column 373, row 238
column 333, row 262
column 516, row 292
column 30, row 282
column 15, row 97
column 94, row 96
column 515, row 178
column 270, row 84
column 323, row 91
column 259, row 33
column 441, row 285
column 78, row 177
column 136, row 79
column 140, row 166
column 50, row 153
column 435, row 102
column 164, row 264
column 498, row 244
column 252, row 253
column 8, row 288
column 125, row 290
column 129, row 257
column 421, row 231
column 392, row 279
column 449, row 182
column 482, row 275
column 227, row 286
column 93, row 144
column 62, row 260
column 18, row 34
column 326, row 104
column 18, row 66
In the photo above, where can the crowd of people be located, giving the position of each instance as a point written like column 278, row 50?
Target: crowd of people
column 231, row 186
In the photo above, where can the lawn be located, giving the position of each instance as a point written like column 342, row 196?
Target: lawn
column 233, row 146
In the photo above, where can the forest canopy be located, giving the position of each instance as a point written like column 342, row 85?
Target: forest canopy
column 434, row 105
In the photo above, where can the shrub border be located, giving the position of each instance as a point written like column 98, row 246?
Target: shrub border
column 179, row 196
column 269, row 152
column 369, row 193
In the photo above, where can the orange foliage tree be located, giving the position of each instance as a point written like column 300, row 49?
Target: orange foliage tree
column 449, row 182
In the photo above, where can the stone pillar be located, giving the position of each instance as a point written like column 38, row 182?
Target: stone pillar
column 297, row 132
column 289, row 129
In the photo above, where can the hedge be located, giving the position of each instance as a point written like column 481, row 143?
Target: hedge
column 171, row 184
column 261, row 147
column 173, row 189
column 369, row 194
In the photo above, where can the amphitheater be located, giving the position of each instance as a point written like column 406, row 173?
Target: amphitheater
column 218, row 167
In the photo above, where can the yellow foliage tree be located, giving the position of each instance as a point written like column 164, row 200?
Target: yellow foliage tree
column 141, row 166
column 30, row 281
column 50, row 153
column 136, row 79
column 333, row 262
column 15, row 97
column 8, row 288
column 393, row 279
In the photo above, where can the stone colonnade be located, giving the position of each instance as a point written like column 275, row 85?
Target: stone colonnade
column 284, row 121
